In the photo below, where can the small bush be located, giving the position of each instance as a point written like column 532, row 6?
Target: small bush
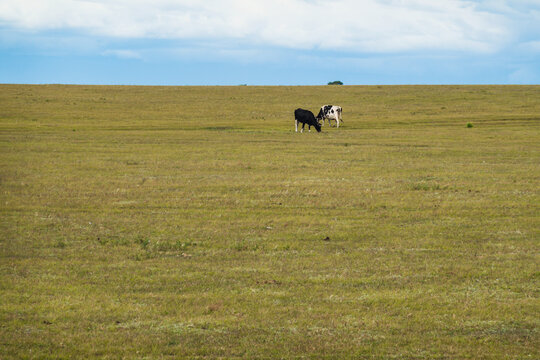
column 470, row 125
column 335, row 83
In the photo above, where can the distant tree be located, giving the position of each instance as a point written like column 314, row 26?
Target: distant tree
column 335, row 83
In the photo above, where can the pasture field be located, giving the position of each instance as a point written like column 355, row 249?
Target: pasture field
column 193, row 222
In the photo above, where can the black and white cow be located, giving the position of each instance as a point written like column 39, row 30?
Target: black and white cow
column 305, row 117
column 330, row 112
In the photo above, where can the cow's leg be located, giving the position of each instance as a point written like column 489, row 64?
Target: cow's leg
column 337, row 121
column 309, row 127
column 296, row 125
column 303, row 124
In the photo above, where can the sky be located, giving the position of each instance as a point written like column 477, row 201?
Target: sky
column 274, row 42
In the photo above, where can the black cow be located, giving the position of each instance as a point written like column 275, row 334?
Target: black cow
column 305, row 117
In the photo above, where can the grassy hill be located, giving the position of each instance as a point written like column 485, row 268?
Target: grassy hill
column 167, row 222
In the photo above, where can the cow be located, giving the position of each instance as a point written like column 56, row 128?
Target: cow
column 330, row 112
column 305, row 117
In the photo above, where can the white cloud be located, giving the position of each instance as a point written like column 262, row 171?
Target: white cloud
column 345, row 25
column 123, row 54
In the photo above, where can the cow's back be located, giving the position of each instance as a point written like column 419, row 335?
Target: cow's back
column 302, row 114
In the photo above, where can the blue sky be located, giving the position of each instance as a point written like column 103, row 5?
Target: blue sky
column 278, row 42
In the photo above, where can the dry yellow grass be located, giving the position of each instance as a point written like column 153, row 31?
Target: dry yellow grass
column 169, row 222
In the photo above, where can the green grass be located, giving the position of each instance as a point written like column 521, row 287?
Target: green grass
column 169, row 222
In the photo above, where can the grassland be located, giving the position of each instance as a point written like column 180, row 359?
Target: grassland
column 170, row 222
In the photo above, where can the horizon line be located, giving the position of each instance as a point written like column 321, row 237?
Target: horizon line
column 268, row 85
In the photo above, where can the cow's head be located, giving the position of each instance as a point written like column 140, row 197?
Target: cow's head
column 320, row 115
